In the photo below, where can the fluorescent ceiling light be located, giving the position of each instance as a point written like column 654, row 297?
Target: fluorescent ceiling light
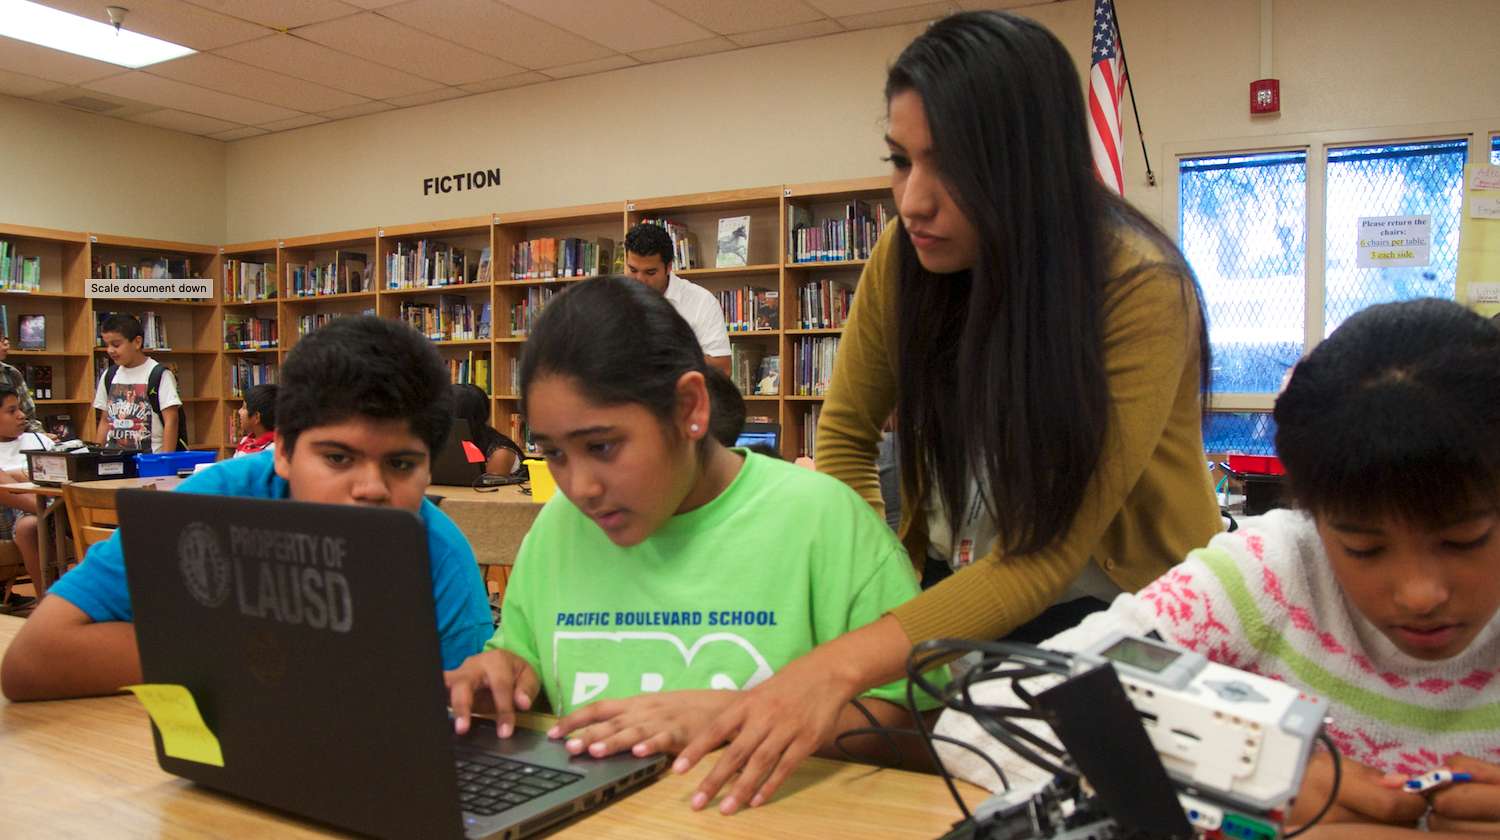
column 48, row 27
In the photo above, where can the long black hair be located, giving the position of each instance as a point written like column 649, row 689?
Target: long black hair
column 1001, row 369
column 1396, row 414
column 621, row 341
column 472, row 405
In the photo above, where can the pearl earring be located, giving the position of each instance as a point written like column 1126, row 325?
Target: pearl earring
column 694, row 427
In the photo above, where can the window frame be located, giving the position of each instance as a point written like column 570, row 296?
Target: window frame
column 1479, row 135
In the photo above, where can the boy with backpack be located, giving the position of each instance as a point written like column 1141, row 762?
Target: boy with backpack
column 138, row 397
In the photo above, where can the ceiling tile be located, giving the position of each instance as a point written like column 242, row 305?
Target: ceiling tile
column 184, row 122
column 688, row 50
column 387, row 42
column 531, row 77
column 95, row 102
column 729, row 18
column 844, row 8
column 17, row 84
column 217, row 73
column 316, row 63
column 586, row 67
column 170, row 93
column 239, row 133
column 172, row 20
column 358, row 110
column 431, row 96
column 498, row 30
column 279, row 14
column 892, row 17
column 52, row 65
column 624, row 25
column 787, row 33
column 295, row 122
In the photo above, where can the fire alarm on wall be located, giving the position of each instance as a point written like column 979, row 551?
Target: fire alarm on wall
column 1265, row 96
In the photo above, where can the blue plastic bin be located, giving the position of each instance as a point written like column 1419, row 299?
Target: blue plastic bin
column 168, row 463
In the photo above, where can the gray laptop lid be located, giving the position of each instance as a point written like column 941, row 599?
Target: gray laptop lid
column 451, row 466
column 307, row 635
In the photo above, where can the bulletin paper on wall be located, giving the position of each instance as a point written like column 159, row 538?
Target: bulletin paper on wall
column 1479, row 240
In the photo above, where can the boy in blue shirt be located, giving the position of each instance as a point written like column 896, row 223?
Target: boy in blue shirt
column 363, row 405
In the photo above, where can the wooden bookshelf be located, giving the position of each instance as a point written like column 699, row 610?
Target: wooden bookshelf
column 208, row 367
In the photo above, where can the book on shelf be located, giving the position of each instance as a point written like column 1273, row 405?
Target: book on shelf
column 38, row 380
column 247, row 332
column 744, row 365
column 684, row 244
column 153, row 330
column 812, row 364
column 248, row 371
column 19, row 273
column 33, row 332
column 474, row 370
column 810, row 430
column 484, row 266
column 734, row 243
column 59, row 426
column 521, row 435
column 483, row 330
column 750, row 308
column 769, row 383
column 758, row 418
column 452, row 318
column 248, row 282
column 145, row 268
column 428, row 262
column 308, row 323
column 550, row 258
column 824, row 304
column 330, row 273
column 523, row 315
column 833, row 240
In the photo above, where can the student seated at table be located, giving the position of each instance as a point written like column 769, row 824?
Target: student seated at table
column 19, row 508
column 670, row 573
column 258, row 420
column 363, row 404
column 1379, row 592
column 472, row 405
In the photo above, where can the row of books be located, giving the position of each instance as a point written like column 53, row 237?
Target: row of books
column 523, row 315
column 247, row 282
column 516, row 430
column 684, row 244
column 38, row 380
column 513, row 377
column 246, row 332
column 750, row 308
column 549, row 258
column 19, row 273
column 823, row 304
column 427, row 263
column 341, row 273
column 810, row 431
column 153, row 330
column 308, row 323
column 475, row 370
column 148, row 268
column 452, row 318
column 812, row 364
column 752, row 370
column 849, row 238
column 246, row 372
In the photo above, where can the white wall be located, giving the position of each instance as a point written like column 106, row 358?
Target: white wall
column 73, row 171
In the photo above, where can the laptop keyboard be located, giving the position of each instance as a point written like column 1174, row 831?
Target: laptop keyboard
column 489, row 784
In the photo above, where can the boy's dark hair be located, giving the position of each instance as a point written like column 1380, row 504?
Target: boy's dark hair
column 726, row 419
column 261, row 399
column 621, row 343
column 364, row 366
column 8, row 390
column 127, row 325
column 645, row 240
column 1396, row 414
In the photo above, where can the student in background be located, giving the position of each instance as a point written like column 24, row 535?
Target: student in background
column 472, row 405
column 140, row 406
column 258, row 420
column 648, row 258
column 664, row 541
column 1043, row 347
column 363, row 404
column 11, row 374
column 19, row 508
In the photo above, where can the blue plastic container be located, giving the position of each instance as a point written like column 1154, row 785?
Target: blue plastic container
column 168, row 463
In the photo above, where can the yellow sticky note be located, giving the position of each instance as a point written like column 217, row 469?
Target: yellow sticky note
column 183, row 733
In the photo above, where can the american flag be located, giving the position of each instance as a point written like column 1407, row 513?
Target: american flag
column 1106, row 87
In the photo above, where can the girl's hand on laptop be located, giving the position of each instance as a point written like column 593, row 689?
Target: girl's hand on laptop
column 645, row 724
column 496, row 680
column 1472, row 806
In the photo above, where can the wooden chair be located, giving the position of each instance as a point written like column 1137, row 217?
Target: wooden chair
column 91, row 513
column 10, row 563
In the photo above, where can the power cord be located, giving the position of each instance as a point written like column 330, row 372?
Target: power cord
column 1333, row 795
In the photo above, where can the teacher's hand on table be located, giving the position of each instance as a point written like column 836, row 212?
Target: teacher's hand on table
column 495, row 680
column 645, row 724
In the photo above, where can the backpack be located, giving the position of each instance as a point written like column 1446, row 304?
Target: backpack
column 153, row 393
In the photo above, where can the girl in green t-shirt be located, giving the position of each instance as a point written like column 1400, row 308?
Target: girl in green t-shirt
column 671, row 573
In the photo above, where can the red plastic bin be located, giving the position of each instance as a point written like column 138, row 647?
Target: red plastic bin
column 1261, row 464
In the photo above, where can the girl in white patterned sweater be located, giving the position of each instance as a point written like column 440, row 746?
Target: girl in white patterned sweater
column 1380, row 593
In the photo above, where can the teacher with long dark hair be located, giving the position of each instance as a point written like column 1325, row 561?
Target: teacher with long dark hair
column 1042, row 345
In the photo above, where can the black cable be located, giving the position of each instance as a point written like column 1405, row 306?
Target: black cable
column 911, row 705
column 1333, row 795
column 875, row 724
column 888, row 731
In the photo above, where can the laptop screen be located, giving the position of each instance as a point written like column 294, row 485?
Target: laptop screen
column 768, row 434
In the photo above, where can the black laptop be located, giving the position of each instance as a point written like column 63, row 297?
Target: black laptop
column 451, row 466
column 307, row 635
column 768, row 434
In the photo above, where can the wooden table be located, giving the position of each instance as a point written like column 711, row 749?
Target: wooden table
column 494, row 521
column 87, row 768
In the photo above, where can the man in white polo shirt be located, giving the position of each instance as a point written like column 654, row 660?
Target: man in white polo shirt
column 648, row 258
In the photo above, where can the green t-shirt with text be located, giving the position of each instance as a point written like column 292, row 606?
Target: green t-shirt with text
column 719, row 597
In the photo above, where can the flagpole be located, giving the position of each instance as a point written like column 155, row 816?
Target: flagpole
column 1129, row 83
